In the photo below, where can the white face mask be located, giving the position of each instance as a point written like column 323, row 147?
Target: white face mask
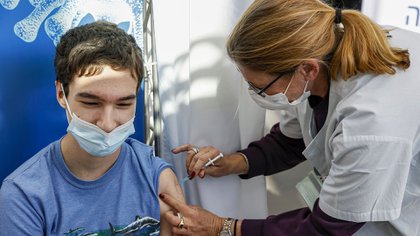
column 93, row 139
column 279, row 101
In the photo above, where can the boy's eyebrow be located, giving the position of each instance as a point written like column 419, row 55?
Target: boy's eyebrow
column 126, row 98
column 91, row 96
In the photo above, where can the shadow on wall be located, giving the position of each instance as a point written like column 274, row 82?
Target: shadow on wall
column 192, row 100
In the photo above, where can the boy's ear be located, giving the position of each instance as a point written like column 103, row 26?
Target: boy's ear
column 60, row 94
column 309, row 69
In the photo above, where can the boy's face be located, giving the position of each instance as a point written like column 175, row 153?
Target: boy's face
column 106, row 100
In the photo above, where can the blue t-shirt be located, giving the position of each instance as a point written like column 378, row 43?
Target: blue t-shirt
column 42, row 196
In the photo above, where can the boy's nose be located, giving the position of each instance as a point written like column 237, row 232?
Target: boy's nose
column 107, row 122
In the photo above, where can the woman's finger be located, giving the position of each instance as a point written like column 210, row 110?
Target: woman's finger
column 185, row 148
column 182, row 148
column 172, row 217
column 203, row 158
column 175, row 203
column 202, row 174
column 191, row 151
column 183, row 231
column 190, row 158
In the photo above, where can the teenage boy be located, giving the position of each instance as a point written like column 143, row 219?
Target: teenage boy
column 94, row 180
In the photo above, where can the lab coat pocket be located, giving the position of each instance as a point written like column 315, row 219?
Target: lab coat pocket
column 367, row 179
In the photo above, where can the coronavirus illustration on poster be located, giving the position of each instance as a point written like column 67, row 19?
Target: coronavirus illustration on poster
column 58, row 16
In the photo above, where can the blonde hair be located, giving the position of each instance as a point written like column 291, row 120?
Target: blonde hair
column 274, row 36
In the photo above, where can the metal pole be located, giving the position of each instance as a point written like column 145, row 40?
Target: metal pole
column 152, row 114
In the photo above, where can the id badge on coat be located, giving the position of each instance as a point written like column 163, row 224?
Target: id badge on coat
column 309, row 188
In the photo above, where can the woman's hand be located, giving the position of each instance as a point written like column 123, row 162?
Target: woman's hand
column 198, row 157
column 190, row 220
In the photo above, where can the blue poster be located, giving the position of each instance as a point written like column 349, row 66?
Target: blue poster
column 30, row 117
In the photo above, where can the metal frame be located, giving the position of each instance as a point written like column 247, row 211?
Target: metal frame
column 152, row 111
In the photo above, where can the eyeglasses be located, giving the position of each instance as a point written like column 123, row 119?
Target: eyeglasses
column 261, row 92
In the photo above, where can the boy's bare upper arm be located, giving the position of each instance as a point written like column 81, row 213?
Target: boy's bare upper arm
column 168, row 183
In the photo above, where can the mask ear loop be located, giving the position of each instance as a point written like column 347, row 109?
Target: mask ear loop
column 306, row 86
column 287, row 88
column 65, row 100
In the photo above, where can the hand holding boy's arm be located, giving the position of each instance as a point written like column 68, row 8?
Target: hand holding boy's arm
column 168, row 183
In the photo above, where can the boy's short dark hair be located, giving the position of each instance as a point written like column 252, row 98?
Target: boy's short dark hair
column 84, row 50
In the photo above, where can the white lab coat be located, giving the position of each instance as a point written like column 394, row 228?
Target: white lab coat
column 369, row 147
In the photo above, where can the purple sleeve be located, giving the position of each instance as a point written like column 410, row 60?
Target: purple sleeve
column 273, row 153
column 300, row 222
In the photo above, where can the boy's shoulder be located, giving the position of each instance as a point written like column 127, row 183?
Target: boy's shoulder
column 34, row 167
column 144, row 155
column 138, row 147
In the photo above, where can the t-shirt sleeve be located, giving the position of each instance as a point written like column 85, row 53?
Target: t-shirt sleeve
column 158, row 165
column 17, row 214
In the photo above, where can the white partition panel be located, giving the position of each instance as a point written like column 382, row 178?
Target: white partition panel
column 402, row 13
column 204, row 101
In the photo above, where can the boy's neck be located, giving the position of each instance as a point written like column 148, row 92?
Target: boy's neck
column 81, row 163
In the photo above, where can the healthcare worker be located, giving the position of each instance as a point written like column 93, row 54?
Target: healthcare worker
column 350, row 106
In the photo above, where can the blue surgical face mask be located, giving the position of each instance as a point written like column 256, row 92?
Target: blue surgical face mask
column 93, row 139
column 279, row 101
